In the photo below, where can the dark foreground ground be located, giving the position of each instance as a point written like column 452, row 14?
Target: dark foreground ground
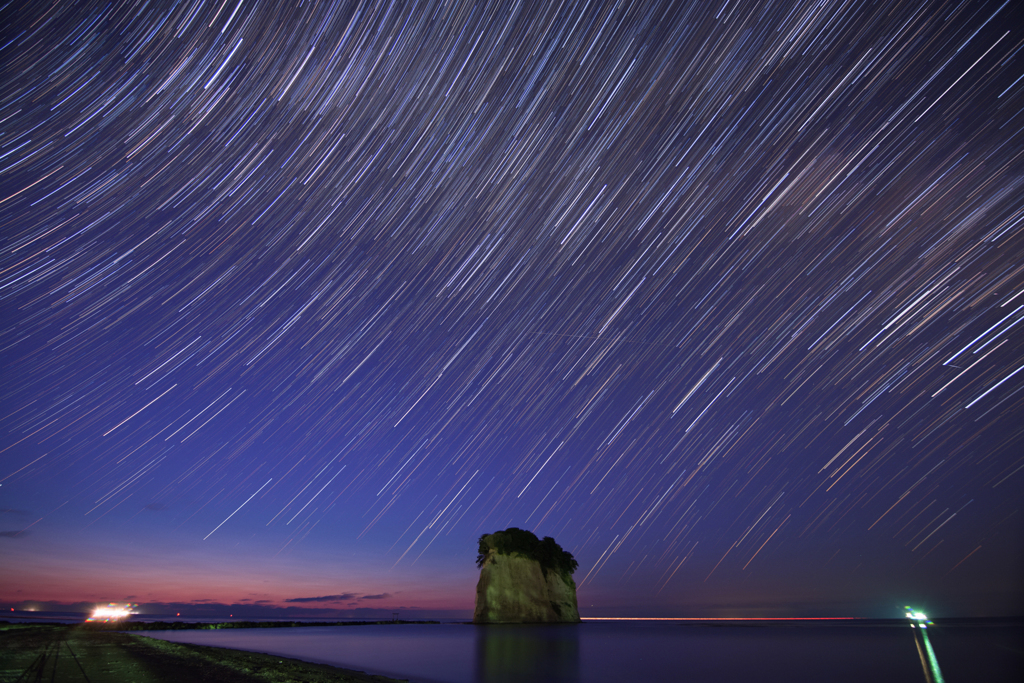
column 73, row 653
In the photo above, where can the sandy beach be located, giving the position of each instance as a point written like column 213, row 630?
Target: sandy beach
column 77, row 652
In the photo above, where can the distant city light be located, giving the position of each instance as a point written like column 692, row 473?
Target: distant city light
column 919, row 618
column 111, row 612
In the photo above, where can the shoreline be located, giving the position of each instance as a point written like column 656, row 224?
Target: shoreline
column 75, row 652
column 128, row 625
column 100, row 653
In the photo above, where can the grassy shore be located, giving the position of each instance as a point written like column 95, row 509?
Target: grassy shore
column 99, row 654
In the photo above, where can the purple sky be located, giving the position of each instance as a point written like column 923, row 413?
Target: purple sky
column 300, row 300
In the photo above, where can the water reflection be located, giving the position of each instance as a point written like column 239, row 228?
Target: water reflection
column 929, row 663
column 527, row 652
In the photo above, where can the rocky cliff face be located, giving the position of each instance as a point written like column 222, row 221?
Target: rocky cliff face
column 515, row 589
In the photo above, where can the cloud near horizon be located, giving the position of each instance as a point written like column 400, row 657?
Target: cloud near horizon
column 326, row 598
column 341, row 598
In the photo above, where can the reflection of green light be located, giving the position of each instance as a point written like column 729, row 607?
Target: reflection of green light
column 933, row 663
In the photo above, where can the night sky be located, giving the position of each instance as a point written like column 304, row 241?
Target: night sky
column 299, row 299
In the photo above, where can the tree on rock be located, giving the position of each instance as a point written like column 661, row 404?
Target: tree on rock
column 524, row 579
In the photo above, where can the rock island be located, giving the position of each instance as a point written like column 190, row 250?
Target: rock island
column 524, row 580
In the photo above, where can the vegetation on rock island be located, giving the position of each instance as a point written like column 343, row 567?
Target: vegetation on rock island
column 513, row 540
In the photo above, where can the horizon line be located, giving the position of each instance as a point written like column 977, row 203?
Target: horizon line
column 727, row 618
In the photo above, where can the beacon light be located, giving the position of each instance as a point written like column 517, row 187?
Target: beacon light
column 111, row 612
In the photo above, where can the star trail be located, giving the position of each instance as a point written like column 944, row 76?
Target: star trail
column 307, row 296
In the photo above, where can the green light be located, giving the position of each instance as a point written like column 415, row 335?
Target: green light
column 917, row 616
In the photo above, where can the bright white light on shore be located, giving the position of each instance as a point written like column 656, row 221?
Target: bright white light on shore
column 918, row 616
column 111, row 612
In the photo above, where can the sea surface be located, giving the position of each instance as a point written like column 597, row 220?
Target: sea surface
column 607, row 652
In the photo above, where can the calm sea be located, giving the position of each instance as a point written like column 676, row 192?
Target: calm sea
column 607, row 652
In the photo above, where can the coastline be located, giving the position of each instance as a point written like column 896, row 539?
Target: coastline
column 76, row 652
column 605, row 651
